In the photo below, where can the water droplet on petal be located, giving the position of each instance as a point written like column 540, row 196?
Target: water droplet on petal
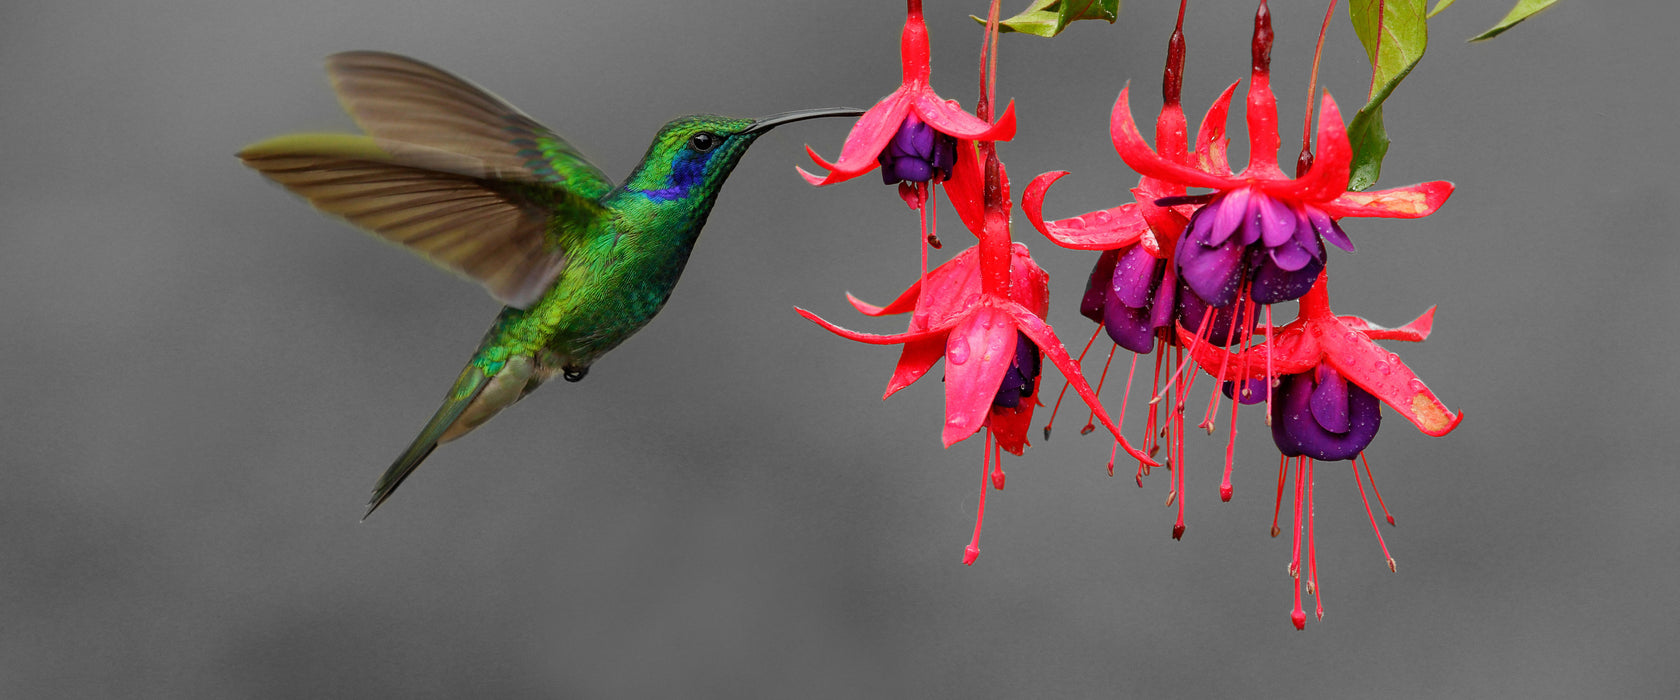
column 957, row 350
column 1416, row 384
column 955, row 422
column 1382, row 368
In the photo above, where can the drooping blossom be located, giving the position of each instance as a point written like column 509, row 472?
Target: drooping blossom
column 1329, row 376
column 1260, row 229
column 919, row 138
column 992, row 340
column 977, row 333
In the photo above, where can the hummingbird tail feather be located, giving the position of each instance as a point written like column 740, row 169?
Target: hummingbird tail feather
column 466, row 390
column 492, row 381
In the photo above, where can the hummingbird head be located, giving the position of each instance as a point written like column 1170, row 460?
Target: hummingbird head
column 693, row 155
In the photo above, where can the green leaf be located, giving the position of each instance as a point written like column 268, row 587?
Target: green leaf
column 1048, row 18
column 1524, row 10
column 1394, row 35
column 1439, row 5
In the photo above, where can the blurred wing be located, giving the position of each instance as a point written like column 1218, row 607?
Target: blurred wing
column 401, row 99
column 438, row 204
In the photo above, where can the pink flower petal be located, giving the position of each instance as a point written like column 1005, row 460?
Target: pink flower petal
column 1411, row 202
column 1211, row 144
column 1328, row 177
column 1137, row 154
column 1415, row 332
column 914, row 362
column 905, row 302
column 1042, row 335
column 1381, row 373
column 1295, row 353
column 1172, row 134
column 868, row 136
column 1099, row 230
column 1263, row 139
column 947, row 117
column 872, row 338
column 977, row 353
column 965, row 189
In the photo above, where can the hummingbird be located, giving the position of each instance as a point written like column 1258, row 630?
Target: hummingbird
column 470, row 183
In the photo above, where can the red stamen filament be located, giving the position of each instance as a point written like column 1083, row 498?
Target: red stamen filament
column 929, row 237
column 1283, row 467
column 1230, row 452
column 1297, row 615
column 1225, row 359
column 1178, row 442
column 1052, row 422
column 1201, row 335
column 973, row 550
column 1269, row 377
column 1312, row 543
column 1375, row 491
column 1150, row 444
column 1091, row 420
column 1368, row 514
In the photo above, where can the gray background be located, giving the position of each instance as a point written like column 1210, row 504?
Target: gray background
column 202, row 378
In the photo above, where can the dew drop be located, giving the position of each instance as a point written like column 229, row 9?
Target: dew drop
column 957, row 352
column 1351, row 337
column 1317, row 330
column 955, row 422
column 1382, row 368
column 1416, row 384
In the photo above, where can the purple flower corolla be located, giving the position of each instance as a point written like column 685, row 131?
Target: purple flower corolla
column 917, row 153
column 1279, row 245
column 1021, row 379
column 1322, row 415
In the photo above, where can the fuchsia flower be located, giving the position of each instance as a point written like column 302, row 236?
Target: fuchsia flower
column 1331, row 374
column 979, row 335
column 992, row 338
column 918, row 138
column 1259, row 229
column 1319, row 339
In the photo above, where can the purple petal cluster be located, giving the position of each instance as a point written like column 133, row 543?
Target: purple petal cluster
column 917, row 153
column 1022, row 375
column 1322, row 415
column 1279, row 246
column 1128, row 293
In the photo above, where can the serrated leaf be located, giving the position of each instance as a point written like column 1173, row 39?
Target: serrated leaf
column 1524, row 10
column 1047, row 18
column 1394, row 34
column 1439, row 5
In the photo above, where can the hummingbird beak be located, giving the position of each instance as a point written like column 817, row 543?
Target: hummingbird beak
column 776, row 120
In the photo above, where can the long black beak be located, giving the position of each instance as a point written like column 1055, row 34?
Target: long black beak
column 776, row 120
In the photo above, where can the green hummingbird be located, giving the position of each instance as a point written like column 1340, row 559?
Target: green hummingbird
column 475, row 186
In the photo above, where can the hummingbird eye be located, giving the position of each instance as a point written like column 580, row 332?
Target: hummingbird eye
column 704, row 141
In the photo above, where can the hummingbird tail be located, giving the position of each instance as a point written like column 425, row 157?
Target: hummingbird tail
column 466, row 390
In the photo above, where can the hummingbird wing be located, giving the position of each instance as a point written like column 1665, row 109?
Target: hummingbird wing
column 401, row 99
column 453, row 209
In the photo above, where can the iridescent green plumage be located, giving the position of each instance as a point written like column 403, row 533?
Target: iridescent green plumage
column 460, row 177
